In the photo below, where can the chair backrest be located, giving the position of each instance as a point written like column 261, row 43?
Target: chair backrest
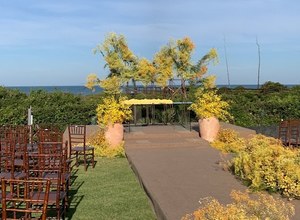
column 45, row 163
column 48, row 166
column 24, row 198
column 77, row 135
column 48, row 135
column 55, row 148
column 21, row 133
column 50, row 148
column 283, row 132
column 8, row 165
column 18, row 136
column 294, row 130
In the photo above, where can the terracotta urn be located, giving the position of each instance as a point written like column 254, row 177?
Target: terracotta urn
column 114, row 134
column 209, row 128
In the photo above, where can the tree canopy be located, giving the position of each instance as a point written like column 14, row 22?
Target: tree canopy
column 172, row 61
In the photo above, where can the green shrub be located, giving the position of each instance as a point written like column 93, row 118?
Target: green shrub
column 266, row 106
column 47, row 107
column 269, row 87
column 13, row 106
column 60, row 108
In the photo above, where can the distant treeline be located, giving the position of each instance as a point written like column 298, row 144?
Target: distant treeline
column 266, row 106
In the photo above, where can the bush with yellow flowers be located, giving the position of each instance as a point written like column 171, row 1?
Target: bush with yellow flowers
column 266, row 164
column 113, row 110
column 263, row 163
column 228, row 141
column 244, row 207
column 209, row 104
column 102, row 148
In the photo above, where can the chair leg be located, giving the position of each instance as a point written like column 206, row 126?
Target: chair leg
column 85, row 164
column 93, row 158
column 67, row 185
column 77, row 162
column 58, row 212
column 64, row 208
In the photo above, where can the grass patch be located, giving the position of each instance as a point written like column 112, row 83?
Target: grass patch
column 109, row 191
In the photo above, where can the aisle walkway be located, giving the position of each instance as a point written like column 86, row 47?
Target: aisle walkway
column 177, row 168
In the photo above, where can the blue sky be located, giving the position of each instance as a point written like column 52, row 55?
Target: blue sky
column 50, row 42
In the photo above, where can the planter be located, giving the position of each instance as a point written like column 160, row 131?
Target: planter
column 209, row 128
column 114, row 134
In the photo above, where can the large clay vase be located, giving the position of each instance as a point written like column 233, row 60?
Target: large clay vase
column 209, row 128
column 114, row 134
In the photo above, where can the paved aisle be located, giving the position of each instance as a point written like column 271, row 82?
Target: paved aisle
column 177, row 168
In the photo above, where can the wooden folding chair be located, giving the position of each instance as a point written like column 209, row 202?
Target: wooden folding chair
column 78, row 147
column 25, row 199
column 50, row 166
column 52, row 148
column 294, row 126
column 283, row 132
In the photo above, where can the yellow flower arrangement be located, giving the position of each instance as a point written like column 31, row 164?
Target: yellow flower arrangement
column 112, row 111
column 102, row 147
column 229, row 140
column 209, row 104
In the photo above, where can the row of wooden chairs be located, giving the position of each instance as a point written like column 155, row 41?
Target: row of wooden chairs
column 48, row 162
column 289, row 131
column 25, row 138
column 24, row 161
column 77, row 141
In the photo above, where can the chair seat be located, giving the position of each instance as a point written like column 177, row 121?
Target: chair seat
column 78, row 148
column 19, row 162
column 54, row 176
column 52, row 196
column 5, row 175
column 15, row 175
column 50, row 176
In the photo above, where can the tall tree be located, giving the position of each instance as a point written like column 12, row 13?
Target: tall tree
column 181, row 52
column 163, row 63
column 118, row 57
column 173, row 60
column 146, row 72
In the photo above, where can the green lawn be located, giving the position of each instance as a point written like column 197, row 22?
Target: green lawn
column 109, row 191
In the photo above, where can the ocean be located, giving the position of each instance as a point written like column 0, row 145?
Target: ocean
column 82, row 90
column 78, row 90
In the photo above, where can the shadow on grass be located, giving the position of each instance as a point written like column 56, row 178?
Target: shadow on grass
column 80, row 163
column 74, row 200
